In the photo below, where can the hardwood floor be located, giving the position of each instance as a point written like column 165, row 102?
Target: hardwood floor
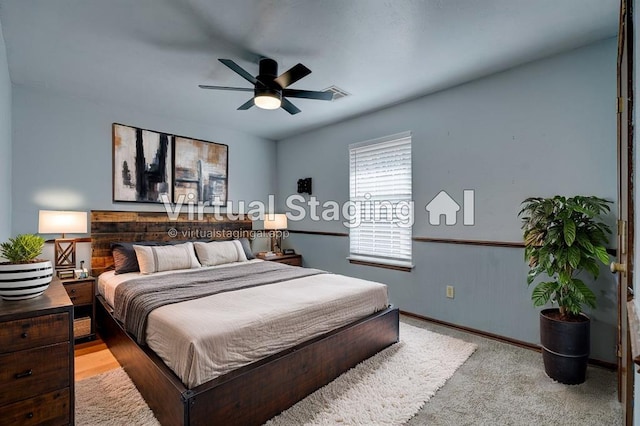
column 93, row 358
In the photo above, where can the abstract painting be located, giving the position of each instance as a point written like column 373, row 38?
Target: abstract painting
column 142, row 164
column 200, row 171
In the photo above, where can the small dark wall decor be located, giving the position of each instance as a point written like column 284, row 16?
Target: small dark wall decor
column 142, row 164
column 200, row 171
column 304, row 186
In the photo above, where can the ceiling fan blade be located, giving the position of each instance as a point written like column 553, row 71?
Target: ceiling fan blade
column 237, row 89
column 238, row 69
column 294, row 74
column 247, row 104
column 308, row 94
column 211, row 39
column 289, row 107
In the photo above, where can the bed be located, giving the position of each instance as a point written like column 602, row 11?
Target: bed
column 257, row 387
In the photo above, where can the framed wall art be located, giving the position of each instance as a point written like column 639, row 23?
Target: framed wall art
column 142, row 164
column 200, row 171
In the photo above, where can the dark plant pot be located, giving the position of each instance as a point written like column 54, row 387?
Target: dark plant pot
column 565, row 347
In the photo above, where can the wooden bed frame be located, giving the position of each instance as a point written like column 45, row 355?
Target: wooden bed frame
column 249, row 395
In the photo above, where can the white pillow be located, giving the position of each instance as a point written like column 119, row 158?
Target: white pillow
column 220, row 252
column 166, row 258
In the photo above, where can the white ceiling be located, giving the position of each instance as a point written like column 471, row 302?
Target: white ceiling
column 154, row 53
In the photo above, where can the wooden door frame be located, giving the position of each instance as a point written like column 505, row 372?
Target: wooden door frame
column 626, row 205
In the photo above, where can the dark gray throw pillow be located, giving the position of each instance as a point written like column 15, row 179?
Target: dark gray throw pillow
column 246, row 246
column 124, row 256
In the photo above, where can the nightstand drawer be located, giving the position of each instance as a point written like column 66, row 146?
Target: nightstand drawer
column 32, row 332
column 51, row 409
column 28, row 373
column 293, row 262
column 80, row 293
column 287, row 259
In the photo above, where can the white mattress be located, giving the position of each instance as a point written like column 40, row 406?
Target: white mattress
column 204, row 338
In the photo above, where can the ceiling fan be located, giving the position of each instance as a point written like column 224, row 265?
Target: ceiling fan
column 270, row 90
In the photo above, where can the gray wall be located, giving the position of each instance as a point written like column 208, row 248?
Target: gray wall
column 543, row 128
column 63, row 146
column 5, row 143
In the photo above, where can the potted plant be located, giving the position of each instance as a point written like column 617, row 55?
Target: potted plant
column 564, row 237
column 23, row 276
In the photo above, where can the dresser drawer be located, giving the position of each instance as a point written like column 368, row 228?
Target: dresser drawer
column 32, row 332
column 51, row 409
column 29, row 373
column 80, row 293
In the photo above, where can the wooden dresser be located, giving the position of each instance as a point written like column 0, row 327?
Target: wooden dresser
column 36, row 359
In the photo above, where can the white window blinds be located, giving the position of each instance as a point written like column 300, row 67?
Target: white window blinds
column 380, row 193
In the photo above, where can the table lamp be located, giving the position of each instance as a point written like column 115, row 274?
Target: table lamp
column 275, row 222
column 63, row 222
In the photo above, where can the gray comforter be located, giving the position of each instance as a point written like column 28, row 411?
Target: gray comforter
column 135, row 299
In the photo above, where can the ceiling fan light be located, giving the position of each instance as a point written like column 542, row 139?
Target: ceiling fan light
column 267, row 101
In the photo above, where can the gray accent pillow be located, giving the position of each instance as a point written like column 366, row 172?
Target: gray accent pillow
column 124, row 256
column 246, row 246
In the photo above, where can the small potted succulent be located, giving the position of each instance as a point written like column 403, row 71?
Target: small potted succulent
column 22, row 275
column 564, row 239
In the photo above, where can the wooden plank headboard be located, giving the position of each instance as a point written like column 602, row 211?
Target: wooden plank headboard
column 112, row 226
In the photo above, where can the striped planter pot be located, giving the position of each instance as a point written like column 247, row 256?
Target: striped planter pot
column 20, row 281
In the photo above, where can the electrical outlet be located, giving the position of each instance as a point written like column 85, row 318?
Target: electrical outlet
column 450, row 292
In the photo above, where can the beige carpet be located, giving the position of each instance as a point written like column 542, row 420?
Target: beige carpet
column 111, row 399
column 387, row 389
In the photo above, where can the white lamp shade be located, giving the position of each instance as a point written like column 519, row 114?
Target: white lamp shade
column 275, row 221
column 62, row 222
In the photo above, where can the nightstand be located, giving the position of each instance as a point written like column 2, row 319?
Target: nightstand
column 36, row 355
column 287, row 259
column 82, row 293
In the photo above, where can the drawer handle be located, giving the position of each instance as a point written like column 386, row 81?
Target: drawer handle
column 24, row 374
column 72, row 298
column 24, row 335
column 73, row 291
column 29, row 415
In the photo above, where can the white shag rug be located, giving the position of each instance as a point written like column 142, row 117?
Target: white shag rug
column 111, row 399
column 387, row 389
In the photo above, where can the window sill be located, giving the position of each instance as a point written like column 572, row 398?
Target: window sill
column 396, row 266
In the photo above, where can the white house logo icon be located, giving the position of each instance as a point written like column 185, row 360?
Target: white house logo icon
column 443, row 205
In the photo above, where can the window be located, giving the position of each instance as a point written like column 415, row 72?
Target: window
column 380, row 194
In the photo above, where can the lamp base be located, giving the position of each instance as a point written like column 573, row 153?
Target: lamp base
column 65, row 254
column 276, row 244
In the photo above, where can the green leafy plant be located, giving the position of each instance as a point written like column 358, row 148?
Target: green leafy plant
column 563, row 237
column 22, row 249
